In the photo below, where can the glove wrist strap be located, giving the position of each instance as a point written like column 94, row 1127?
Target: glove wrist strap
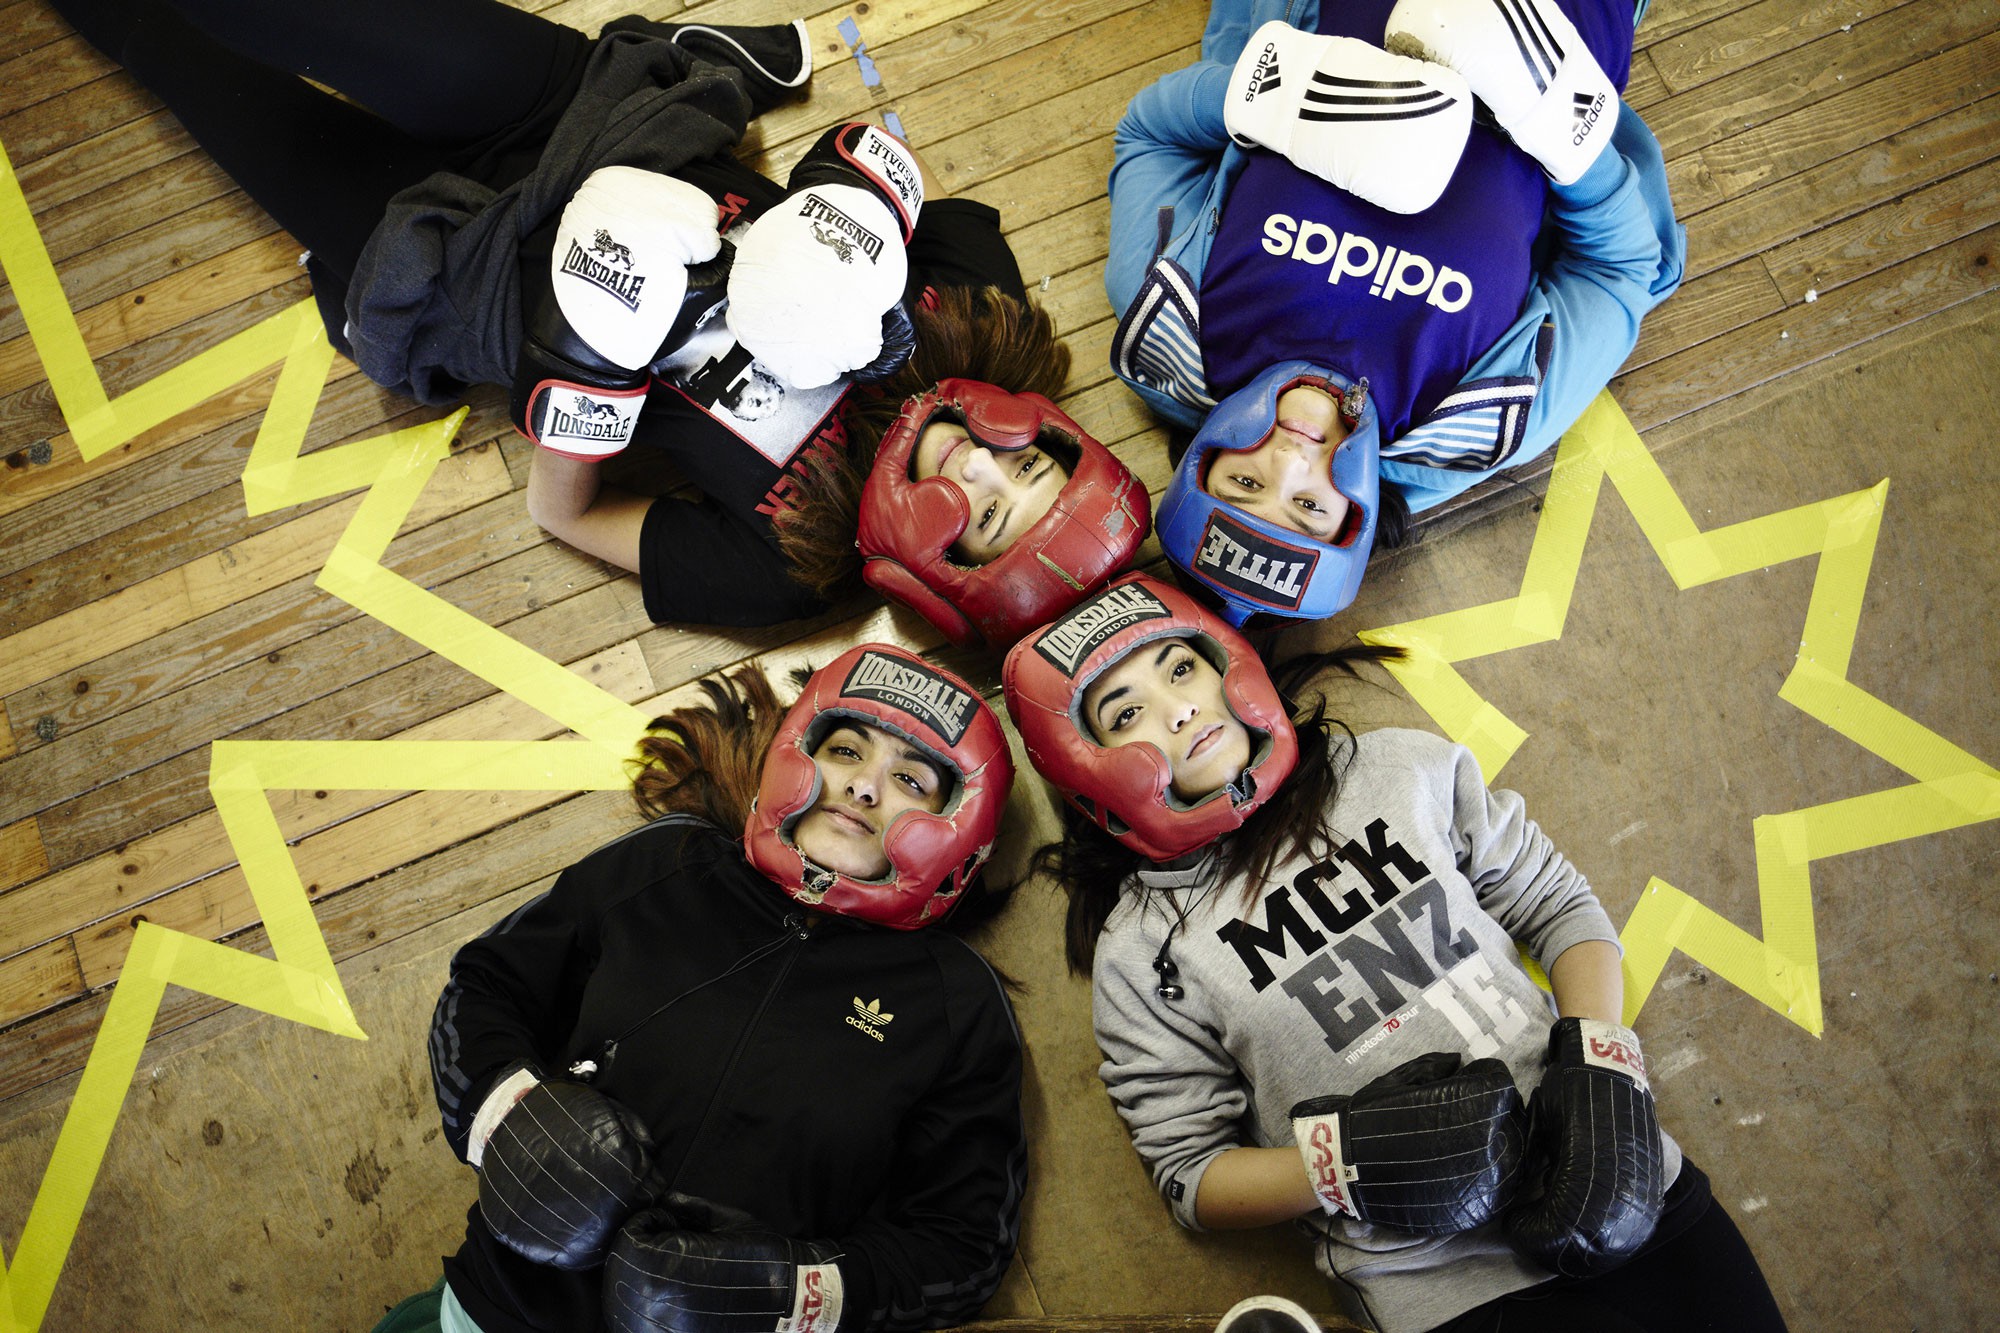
column 816, row 1300
column 888, row 162
column 493, row 1110
column 1614, row 1047
column 1330, row 1174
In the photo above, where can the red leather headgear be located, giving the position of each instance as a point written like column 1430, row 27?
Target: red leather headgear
column 932, row 857
column 908, row 527
column 1125, row 789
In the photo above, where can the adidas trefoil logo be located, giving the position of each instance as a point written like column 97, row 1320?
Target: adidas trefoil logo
column 869, row 1018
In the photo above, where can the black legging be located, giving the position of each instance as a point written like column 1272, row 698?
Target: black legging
column 1704, row 1280
column 436, row 77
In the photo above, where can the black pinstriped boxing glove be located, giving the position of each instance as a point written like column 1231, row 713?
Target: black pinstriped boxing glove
column 690, row 1266
column 1427, row 1147
column 566, row 1166
column 1595, row 1181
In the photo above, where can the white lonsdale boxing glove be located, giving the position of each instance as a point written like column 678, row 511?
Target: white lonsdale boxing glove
column 1385, row 128
column 618, row 283
column 818, row 282
column 1528, row 63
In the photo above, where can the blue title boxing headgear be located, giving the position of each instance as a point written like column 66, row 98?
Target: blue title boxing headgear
column 932, row 857
column 1255, row 565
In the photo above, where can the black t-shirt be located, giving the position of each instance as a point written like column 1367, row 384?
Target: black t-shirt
column 736, row 431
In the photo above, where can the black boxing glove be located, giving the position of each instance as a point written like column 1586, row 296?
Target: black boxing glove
column 1596, row 1167
column 1427, row 1147
column 690, row 1266
column 564, row 1168
column 636, row 262
column 899, row 342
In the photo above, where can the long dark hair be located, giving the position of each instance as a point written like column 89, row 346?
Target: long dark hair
column 1092, row 866
column 980, row 335
column 707, row 760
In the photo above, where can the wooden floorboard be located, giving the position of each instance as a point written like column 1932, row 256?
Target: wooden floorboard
column 1846, row 150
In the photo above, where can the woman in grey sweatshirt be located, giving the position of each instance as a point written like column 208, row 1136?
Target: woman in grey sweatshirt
column 1306, row 950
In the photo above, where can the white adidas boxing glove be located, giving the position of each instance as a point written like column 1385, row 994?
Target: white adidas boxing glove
column 1385, row 128
column 1528, row 63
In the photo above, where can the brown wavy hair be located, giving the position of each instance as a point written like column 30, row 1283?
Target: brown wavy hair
column 707, row 759
column 980, row 335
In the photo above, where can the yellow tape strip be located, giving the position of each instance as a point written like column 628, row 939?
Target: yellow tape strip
column 1952, row 788
column 44, row 307
column 354, row 573
column 300, row 982
column 98, row 423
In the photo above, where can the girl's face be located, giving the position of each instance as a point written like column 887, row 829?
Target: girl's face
column 1006, row 492
column 1166, row 694
column 1287, row 478
column 867, row 778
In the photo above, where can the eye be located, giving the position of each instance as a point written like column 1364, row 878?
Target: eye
column 1244, row 482
column 1029, row 462
column 916, row 782
column 842, row 750
column 986, row 518
column 1123, row 717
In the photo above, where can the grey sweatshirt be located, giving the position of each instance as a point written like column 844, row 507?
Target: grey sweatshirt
column 1401, row 943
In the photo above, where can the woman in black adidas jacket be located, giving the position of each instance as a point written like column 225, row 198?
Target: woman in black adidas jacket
column 841, row 1083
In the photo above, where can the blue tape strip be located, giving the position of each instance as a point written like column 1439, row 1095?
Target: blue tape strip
column 894, row 124
column 850, row 32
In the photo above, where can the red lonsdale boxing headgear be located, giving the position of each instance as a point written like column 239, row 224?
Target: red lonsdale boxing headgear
column 932, row 857
column 1126, row 789
column 908, row 527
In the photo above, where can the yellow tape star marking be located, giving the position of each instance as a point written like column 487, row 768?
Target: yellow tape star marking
column 96, row 422
column 299, row 982
column 1951, row 789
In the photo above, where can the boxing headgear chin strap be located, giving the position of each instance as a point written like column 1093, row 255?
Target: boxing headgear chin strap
column 1255, row 565
column 1126, row 789
column 932, row 857
column 908, row 527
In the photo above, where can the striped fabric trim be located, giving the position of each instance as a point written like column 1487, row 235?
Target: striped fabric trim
column 1334, row 97
column 1481, row 424
column 1540, row 52
column 1471, row 436
column 1158, row 343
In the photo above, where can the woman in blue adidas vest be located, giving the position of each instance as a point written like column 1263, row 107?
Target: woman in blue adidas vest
column 1343, row 362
